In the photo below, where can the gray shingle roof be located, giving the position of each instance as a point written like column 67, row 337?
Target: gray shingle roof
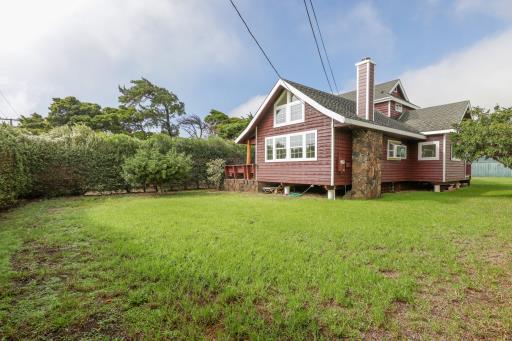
column 381, row 90
column 347, row 108
column 439, row 117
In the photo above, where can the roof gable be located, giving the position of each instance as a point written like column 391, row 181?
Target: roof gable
column 336, row 107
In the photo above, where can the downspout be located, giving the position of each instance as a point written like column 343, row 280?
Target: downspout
column 444, row 157
column 332, row 152
column 256, row 157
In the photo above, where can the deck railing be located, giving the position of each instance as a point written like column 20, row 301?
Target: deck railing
column 246, row 172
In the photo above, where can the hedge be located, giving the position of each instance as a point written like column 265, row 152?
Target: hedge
column 75, row 160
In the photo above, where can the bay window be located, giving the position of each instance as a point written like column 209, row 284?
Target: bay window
column 291, row 147
column 288, row 109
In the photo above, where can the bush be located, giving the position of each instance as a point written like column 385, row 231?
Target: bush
column 14, row 176
column 215, row 172
column 204, row 150
column 71, row 160
column 150, row 166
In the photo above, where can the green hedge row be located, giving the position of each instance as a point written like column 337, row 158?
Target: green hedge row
column 75, row 160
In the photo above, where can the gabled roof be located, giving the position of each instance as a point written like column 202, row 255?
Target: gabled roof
column 382, row 92
column 436, row 118
column 336, row 107
column 347, row 108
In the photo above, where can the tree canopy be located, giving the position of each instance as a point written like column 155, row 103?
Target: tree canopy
column 485, row 135
column 158, row 106
column 225, row 126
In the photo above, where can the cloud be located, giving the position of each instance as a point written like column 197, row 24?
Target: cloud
column 87, row 47
column 250, row 106
column 481, row 73
column 361, row 29
column 497, row 8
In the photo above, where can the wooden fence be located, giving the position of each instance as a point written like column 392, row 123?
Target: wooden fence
column 489, row 167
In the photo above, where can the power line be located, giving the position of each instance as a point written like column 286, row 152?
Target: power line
column 9, row 103
column 323, row 45
column 317, row 47
column 255, row 40
column 261, row 48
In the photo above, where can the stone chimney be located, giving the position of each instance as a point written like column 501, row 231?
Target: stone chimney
column 364, row 88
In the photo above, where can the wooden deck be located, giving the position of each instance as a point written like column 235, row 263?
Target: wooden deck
column 245, row 171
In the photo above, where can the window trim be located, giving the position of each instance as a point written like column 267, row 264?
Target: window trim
column 288, row 148
column 287, row 108
column 399, row 105
column 421, row 144
column 396, row 144
column 452, row 158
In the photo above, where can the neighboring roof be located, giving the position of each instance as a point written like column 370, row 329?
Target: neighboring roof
column 436, row 118
column 381, row 90
column 347, row 108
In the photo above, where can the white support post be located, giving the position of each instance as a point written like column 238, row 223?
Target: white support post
column 286, row 190
column 331, row 194
column 437, row 188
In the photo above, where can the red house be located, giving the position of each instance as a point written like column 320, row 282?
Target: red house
column 363, row 140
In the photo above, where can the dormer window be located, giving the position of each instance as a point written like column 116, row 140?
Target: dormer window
column 288, row 109
column 398, row 107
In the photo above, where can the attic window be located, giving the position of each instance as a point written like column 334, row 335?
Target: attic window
column 288, row 109
column 398, row 107
column 396, row 150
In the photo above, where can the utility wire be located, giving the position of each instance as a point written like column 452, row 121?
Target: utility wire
column 323, row 45
column 9, row 103
column 255, row 40
column 317, row 47
column 262, row 50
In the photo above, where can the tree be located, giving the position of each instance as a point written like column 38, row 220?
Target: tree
column 226, row 127
column 195, row 126
column 215, row 119
column 34, row 123
column 70, row 110
column 159, row 107
column 486, row 135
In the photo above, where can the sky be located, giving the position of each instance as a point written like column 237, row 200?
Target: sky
column 444, row 51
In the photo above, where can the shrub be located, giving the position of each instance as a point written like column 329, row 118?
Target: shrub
column 150, row 166
column 215, row 172
column 14, row 176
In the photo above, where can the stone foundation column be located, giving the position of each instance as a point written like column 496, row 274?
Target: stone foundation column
column 366, row 156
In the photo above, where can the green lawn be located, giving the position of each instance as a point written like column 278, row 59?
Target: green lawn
column 416, row 265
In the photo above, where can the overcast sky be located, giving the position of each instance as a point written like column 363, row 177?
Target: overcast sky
column 443, row 50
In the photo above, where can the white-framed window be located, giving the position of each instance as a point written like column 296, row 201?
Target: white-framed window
column 291, row 147
column 288, row 109
column 396, row 150
column 452, row 156
column 428, row 150
column 398, row 107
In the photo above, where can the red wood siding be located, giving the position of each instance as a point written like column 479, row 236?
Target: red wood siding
column 427, row 170
column 454, row 169
column 396, row 170
column 296, row 172
column 382, row 107
column 343, row 151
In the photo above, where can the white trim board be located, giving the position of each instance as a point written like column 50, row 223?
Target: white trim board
column 396, row 99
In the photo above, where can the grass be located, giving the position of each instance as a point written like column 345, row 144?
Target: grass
column 199, row 265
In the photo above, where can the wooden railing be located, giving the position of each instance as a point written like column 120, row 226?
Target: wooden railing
column 246, row 172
